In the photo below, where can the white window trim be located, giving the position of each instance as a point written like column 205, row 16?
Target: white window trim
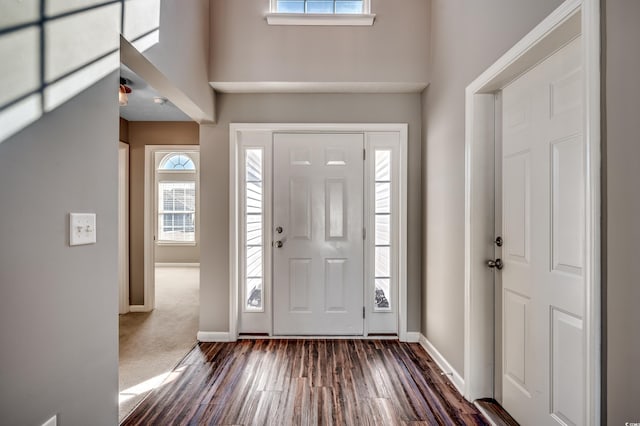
column 320, row 19
column 251, row 134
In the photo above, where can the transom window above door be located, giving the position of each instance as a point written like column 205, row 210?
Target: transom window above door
column 320, row 6
column 320, row 12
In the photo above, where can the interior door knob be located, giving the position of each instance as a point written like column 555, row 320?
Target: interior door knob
column 495, row 264
column 279, row 229
column 279, row 244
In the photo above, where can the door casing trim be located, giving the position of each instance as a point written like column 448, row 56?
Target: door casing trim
column 149, row 297
column 570, row 19
column 235, row 130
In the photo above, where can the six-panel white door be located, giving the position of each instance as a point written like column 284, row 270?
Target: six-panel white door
column 543, row 211
column 318, row 228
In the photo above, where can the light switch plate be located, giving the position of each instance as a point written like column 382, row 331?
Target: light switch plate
column 82, row 228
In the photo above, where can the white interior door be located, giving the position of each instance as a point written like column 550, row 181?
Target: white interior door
column 318, row 219
column 543, row 226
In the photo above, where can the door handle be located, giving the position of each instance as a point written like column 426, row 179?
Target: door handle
column 279, row 244
column 495, row 264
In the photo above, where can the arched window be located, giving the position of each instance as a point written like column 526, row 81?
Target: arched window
column 176, row 198
column 176, row 161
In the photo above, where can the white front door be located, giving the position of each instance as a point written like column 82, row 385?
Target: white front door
column 543, row 226
column 318, row 221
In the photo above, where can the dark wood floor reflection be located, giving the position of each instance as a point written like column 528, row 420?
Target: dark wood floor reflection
column 306, row 382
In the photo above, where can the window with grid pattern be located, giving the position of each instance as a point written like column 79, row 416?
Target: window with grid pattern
column 254, row 209
column 176, row 211
column 320, row 6
column 383, row 240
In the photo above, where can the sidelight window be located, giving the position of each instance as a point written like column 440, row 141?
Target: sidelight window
column 383, row 232
column 253, row 229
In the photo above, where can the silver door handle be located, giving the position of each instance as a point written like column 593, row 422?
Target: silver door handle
column 495, row 264
column 279, row 244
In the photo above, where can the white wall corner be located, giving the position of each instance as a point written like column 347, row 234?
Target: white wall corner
column 214, row 336
column 411, row 337
column 449, row 372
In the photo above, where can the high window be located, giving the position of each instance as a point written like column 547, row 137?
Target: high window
column 52, row 50
column 321, row 6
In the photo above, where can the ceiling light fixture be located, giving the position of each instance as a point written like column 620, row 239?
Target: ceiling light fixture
column 123, row 99
column 160, row 100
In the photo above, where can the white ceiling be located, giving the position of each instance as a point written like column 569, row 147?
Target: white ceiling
column 141, row 106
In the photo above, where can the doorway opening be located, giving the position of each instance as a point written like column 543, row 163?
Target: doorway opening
column 318, row 230
column 159, row 315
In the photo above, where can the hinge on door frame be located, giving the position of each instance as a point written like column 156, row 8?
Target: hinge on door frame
column 364, row 154
column 363, row 312
column 364, row 233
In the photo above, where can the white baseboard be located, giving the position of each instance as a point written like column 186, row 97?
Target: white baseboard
column 411, row 337
column 318, row 337
column 450, row 372
column 138, row 308
column 177, row 265
column 214, row 336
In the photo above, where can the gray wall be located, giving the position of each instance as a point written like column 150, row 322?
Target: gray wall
column 622, row 174
column 467, row 36
column 58, row 304
column 214, row 180
column 182, row 54
column 245, row 48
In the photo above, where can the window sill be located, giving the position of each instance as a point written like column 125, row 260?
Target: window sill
column 320, row 19
column 176, row 243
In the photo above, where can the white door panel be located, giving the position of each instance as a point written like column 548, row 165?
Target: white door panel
column 318, row 203
column 543, row 227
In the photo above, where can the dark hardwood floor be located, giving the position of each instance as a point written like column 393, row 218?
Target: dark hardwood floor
column 306, row 382
column 496, row 413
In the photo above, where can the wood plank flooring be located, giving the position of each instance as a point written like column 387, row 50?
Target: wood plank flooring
column 306, row 382
column 496, row 413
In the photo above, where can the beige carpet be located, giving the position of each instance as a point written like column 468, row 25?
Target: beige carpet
column 152, row 343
